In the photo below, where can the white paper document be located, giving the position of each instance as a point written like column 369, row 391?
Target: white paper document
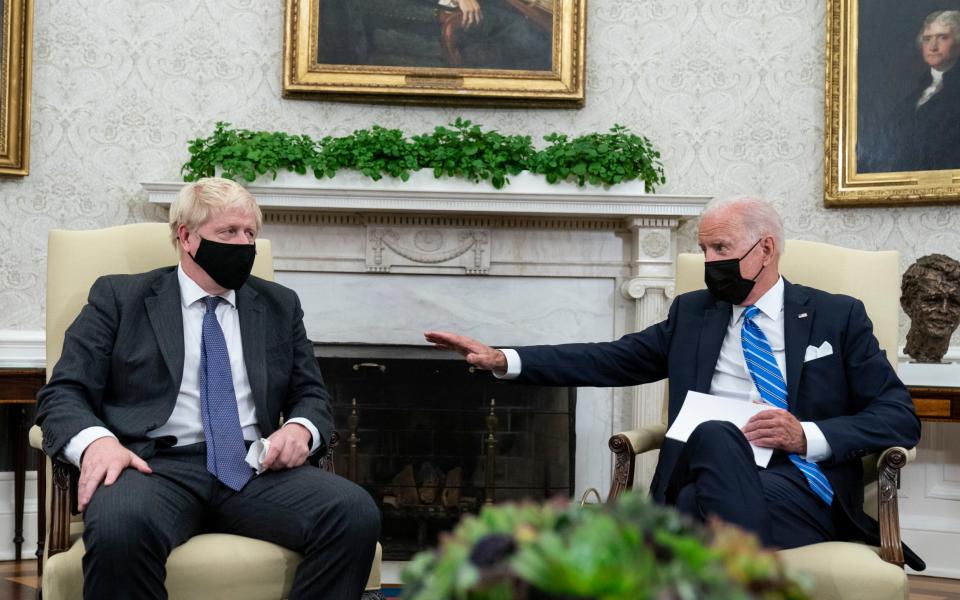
column 698, row 408
column 257, row 453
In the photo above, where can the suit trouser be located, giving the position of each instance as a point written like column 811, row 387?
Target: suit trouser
column 131, row 527
column 716, row 475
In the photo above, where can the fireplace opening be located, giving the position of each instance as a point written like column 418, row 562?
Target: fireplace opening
column 431, row 438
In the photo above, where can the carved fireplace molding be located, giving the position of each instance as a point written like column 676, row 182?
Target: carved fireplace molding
column 451, row 227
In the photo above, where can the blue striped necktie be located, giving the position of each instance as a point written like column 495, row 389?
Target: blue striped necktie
column 766, row 375
column 226, row 452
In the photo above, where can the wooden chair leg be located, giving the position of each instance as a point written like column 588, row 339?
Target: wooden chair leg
column 888, row 511
column 60, row 509
column 41, row 510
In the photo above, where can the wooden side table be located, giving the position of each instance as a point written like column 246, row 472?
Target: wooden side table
column 936, row 403
column 19, row 387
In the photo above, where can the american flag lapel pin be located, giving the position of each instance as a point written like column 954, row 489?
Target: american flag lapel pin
column 802, row 316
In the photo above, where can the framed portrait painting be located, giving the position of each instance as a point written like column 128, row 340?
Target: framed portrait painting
column 476, row 52
column 892, row 131
column 16, row 35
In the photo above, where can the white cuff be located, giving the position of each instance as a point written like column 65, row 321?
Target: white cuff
column 314, row 434
column 75, row 448
column 818, row 448
column 513, row 364
column 449, row 3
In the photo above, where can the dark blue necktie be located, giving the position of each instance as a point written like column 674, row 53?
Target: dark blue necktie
column 766, row 375
column 226, row 451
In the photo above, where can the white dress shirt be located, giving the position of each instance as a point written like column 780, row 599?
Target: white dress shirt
column 730, row 377
column 185, row 422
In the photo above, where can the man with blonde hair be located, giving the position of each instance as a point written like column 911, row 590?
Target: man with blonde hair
column 166, row 379
column 753, row 336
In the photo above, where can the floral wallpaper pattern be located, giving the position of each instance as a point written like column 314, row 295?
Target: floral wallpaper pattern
column 731, row 91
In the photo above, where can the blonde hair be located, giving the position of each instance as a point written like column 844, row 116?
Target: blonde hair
column 200, row 200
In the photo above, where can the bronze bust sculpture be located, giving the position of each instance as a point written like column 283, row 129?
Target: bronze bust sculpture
column 930, row 295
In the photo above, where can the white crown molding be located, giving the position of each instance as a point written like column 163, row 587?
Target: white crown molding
column 22, row 349
column 527, row 194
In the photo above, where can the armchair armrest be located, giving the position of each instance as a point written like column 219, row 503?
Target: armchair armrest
column 36, row 438
column 325, row 461
column 889, row 464
column 63, row 497
column 625, row 447
column 883, row 468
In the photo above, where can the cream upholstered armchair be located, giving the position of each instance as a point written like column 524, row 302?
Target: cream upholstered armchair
column 841, row 570
column 207, row 566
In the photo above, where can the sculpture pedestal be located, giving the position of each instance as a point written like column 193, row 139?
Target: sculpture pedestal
column 935, row 389
column 930, row 485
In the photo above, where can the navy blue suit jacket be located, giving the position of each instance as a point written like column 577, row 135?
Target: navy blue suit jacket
column 853, row 395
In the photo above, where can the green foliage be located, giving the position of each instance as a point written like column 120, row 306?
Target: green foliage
column 463, row 149
column 247, row 154
column 374, row 152
column 600, row 158
column 632, row 550
column 469, row 152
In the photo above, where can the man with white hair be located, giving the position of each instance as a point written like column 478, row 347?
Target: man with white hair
column 924, row 131
column 166, row 378
column 746, row 337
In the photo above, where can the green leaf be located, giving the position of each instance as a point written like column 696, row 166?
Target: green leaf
column 463, row 149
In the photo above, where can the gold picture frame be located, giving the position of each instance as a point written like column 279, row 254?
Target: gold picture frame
column 16, row 43
column 526, row 53
column 888, row 138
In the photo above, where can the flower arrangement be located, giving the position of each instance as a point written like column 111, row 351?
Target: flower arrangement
column 631, row 550
column 463, row 149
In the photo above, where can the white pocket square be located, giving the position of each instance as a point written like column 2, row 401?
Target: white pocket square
column 814, row 353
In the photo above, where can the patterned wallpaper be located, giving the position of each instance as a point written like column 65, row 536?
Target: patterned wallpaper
column 730, row 90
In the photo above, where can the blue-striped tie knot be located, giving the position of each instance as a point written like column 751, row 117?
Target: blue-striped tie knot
column 750, row 312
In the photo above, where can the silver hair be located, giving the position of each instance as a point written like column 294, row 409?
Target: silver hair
column 759, row 217
column 950, row 18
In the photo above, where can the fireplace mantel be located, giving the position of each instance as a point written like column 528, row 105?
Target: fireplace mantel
column 381, row 262
column 526, row 195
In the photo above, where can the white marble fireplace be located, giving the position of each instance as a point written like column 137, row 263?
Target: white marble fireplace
column 380, row 263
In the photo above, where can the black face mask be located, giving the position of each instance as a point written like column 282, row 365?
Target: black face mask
column 227, row 264
column 724, row 280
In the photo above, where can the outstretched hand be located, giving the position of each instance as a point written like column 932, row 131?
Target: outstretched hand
column 477, row 354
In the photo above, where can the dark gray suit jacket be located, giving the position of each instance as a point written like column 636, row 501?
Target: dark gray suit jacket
column 122, row 362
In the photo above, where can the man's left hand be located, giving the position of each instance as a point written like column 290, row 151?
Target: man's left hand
column 289, row 447
column 776, row 429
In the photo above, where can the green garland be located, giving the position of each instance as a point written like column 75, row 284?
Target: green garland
column 463, row 149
